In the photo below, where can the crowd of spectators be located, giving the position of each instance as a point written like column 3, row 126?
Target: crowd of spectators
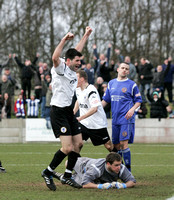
column 33, row 98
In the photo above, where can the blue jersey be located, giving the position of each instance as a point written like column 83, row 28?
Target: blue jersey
column 122, row 95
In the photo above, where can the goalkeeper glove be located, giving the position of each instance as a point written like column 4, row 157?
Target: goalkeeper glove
column 118, row 185
column 104, row 186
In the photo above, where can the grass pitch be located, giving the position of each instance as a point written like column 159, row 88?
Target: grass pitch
column 152, row 166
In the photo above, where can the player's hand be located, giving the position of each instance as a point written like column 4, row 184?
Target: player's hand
column 104, row 186
column 129, row 114
column 118, row 185
column 88, row 30
column 69, row 36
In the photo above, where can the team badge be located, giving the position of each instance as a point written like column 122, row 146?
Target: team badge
column 124, row 134
column 63, row 129
column 124, row 90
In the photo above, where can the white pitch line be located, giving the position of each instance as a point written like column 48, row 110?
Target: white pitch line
column 59, row 144
column 44, row 153
column 38, row 165
column 172, row 198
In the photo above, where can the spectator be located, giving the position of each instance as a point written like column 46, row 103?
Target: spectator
column 120, row 58
column 145, row 77
column 45, row 69
column 168, row 80
column 132, row 69
column 32, row 107
column 27, row 73
column 107, row 108
column 6, row 85
column 19, row 107
column 158, row 107
column 37, row 82
column 46, row 86
column 91, row 73
column 7, row 72
column 98, row 85
column 6, row 107
column 158, row 77
column 170, row 111
column 102, row 62
column 5, row 64
column 142, row 111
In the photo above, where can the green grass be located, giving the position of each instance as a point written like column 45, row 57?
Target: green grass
column 152, row 166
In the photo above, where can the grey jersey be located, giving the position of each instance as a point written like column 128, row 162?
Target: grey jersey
column 94, row 170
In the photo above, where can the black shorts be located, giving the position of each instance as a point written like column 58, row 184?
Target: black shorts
column 64, row 122
column 97, row 136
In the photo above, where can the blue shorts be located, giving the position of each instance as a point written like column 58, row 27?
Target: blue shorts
column 123, row 132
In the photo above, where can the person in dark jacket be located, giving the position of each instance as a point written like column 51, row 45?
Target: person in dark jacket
column 158, row 77
column 102, row 64
column 158, row 108
column 142, row 111
column 27, row 73
column 6, row 107
column 168, row 80
column 145, row 77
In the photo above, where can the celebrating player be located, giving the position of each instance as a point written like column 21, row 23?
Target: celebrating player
column 125, row 98
column 63, row 121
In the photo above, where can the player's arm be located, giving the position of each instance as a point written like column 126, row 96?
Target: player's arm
column 130, row 113
column 90, row 112
column 119, row 185
column 58, row 50
column 76, row 107
column 104, row 103
column 98, row 186
column 82, row 42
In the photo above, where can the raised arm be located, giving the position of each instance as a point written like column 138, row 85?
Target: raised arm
column 18, row 61
column 82, row 42
column 58, row 50
column 108, row 54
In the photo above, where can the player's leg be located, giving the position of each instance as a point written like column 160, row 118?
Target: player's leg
column 109, row 146
column 126, row 154
column 77, row 144
column 72, row 158
column 116, row 139
column 127, row 136
column 2, row 169
column 74, row 154
column 59, row 156
column 61, row 130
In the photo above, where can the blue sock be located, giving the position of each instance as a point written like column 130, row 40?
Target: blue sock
column 120, row 152
column 127, row 158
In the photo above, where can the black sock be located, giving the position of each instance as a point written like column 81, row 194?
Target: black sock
column 114, row 150
column 57, row 159
column 72, row 158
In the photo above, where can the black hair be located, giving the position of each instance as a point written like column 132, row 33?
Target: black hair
column 111, row 157
column 72, row 53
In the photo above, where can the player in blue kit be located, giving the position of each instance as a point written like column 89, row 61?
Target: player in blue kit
column 124, row 97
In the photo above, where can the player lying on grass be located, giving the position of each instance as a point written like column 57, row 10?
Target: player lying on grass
column 101, row 173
